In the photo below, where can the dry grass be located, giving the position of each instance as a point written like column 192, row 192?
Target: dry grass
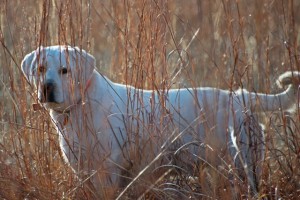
column 149, row 44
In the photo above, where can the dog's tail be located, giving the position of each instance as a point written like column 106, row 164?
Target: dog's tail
column 289, row 78
column 284, row 101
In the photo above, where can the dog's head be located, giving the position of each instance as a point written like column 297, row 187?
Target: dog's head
column 59, row 73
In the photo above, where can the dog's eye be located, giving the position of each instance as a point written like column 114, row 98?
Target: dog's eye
column 41, row 69
column 64, row 71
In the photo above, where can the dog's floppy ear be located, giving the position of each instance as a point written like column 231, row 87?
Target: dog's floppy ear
column 88, row 62
column 27, row 65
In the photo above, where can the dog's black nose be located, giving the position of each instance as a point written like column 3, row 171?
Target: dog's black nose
column 49, row 92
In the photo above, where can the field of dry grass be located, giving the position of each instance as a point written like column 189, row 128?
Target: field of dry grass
column 149, row 44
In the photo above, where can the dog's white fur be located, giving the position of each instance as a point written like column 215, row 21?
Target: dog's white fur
column 93, row 114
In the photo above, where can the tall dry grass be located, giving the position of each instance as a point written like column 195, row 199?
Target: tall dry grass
column 152, row 45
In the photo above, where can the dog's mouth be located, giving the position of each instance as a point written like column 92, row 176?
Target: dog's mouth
column 48, row 98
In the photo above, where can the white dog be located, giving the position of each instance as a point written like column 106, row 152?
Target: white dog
column 98, row 120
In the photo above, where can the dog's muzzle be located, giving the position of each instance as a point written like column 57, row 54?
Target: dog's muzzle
column 48, row 92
